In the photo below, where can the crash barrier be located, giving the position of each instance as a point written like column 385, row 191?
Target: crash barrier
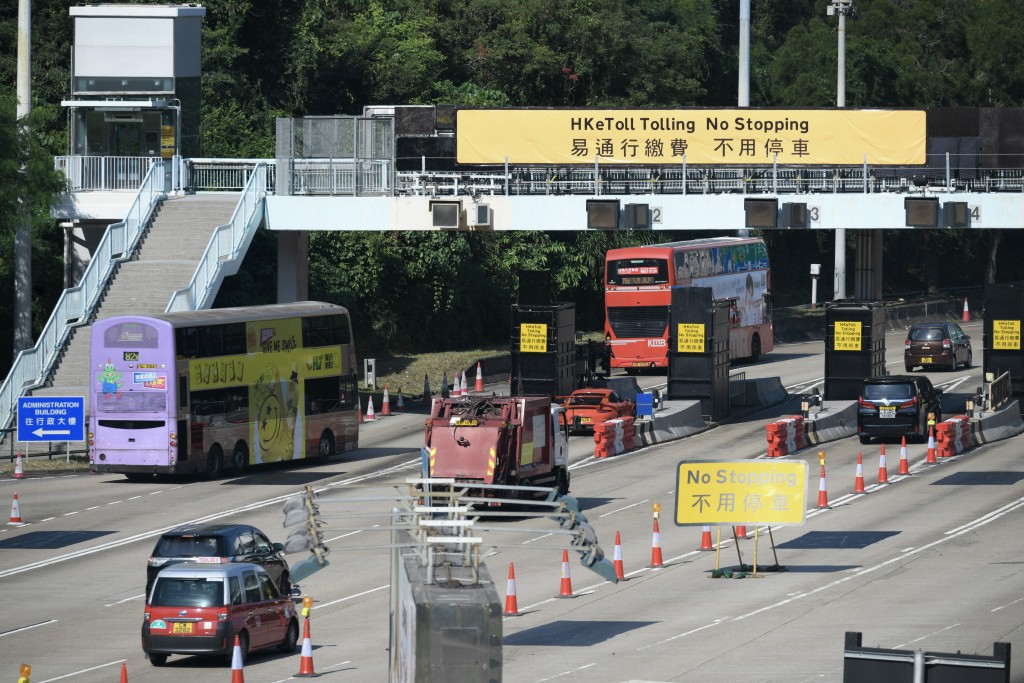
column 760, row 392
column 835, row 420
column 674, row 420
column 785, row 436
column 871, row 664
column 999, row 391
column 952, row 436
column 613, row 437
column 994, row 426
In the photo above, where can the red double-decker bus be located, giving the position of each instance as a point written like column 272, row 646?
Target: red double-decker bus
column 638, row 295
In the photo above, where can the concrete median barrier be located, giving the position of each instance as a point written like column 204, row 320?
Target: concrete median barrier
column 835, row 420
column 676, row 420
column 995, row 426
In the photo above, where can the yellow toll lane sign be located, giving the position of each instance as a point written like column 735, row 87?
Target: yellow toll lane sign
column 741, row 492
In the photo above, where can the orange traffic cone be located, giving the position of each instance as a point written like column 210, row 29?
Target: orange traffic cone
column 511, row 606
column 426, row 390
column 15, row 511
column 400, row 405
column 370, row 417
column 124, row 672
column 617, row 559
column 236, row 664
column 705, row 539
column 822, row 490
column 931, row 445
column 306, row 663
column 883, row 471
column 858, row 481
column 479, row 378
column 656, row 560
column 740, row 531
column 967, row 312
column 465, row 385
column 19, row 469
column 904, row 465
column 565, row 590
column 385, row 406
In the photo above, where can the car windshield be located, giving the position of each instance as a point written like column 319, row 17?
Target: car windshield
column 927, row 334
column 585, row 400
column 175, row 592
column 876, row 392
column 189, row 546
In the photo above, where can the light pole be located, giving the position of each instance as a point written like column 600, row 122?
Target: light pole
column 843, row 8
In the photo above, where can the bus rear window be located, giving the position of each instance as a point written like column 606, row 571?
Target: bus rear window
column 132, row 424
column 640, row 271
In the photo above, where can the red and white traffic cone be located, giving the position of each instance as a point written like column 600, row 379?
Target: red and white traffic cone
column 883, row 471
column 656, row 560
column 565, row 589
column 124, row 672
column 479, row 378
column 511, row 606
column 19, row 468
column 385, row 406
column 822, row 490
column 740, row 531
column 705, row 539
column 931, row 445
column 15, row 511
column 400, row 404
column 858, row 481
column 306, row 663
column 236, row 663
column 370, row 416
column 967, row 312
column 456, row 386
column 904, row 465
column 465, row 385
column 617, row 559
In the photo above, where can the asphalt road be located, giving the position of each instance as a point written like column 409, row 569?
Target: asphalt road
column 931, row 561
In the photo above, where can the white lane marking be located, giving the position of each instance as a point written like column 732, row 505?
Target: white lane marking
column 622, row 509
column 567, row 673
column 328, row 670
column 83, row 671
column 94, row 507
column 134, row 597
column 928, row 635
column 996, row 609
column 27, row 628
column 352, row 597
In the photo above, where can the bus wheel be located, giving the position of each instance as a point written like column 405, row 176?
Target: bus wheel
column 325, row 449
column 755, row 347
column 215, row 463
column 239, row 459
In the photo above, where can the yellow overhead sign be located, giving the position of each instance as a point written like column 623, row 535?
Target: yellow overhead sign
column 690, row 338
column 700, row 136
column 742, row 492
column 1006, row 335
column 846, row 336
column 533, row 338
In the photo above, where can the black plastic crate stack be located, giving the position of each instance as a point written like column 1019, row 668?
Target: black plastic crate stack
column 856, row 351
column 702, row 376
column 1004, row 317
column 551, row 372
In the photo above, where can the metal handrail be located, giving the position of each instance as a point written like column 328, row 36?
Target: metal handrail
column 226, row 248
column 76, row 304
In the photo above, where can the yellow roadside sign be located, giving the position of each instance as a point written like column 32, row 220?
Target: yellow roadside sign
column 533, row 338
column 741, row 492
column 847, row 336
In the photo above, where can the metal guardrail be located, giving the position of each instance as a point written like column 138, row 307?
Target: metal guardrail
column 226, row 248
column 76, row 304
column 104, row 173
column 999, row 391
column 225, row 175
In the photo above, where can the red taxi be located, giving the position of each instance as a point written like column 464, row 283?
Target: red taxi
column 589, row 406
column 199, row 609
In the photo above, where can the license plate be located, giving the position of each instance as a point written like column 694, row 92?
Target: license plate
column 463, row 422
column 888, row 412
column 181, row 627
column 638, row 364
column 926, row 361
column 584, row 419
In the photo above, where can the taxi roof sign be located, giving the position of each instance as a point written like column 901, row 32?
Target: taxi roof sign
column 741, row 492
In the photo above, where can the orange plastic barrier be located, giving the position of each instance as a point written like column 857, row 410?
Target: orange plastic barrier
column 614, row 437
column 786, row 435
column 952, row 436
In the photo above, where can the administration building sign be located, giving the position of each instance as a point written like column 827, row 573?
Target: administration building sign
column 700, row 136
column 741, row 492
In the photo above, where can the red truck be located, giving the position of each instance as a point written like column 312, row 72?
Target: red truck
column 511, row 440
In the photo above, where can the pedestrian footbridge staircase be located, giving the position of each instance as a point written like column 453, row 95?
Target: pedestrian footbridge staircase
column 169, row 254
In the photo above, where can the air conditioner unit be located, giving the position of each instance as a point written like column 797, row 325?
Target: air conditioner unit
column 479, row 215
column 446, row 215
column 122, row 117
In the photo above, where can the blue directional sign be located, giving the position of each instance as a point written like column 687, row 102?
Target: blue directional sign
column 51, row 418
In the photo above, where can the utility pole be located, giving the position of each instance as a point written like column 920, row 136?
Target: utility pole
column 843, row 8
column 743, row 94
column 23, row 235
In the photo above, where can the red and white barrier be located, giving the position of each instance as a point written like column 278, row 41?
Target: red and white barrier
column 614, row 437
column 952, row 436
column 786, row 435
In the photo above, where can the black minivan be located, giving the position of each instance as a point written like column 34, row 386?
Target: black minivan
column 219, row 544
column 897, row 405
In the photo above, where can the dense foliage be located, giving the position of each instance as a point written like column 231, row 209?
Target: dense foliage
column 268, row 58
